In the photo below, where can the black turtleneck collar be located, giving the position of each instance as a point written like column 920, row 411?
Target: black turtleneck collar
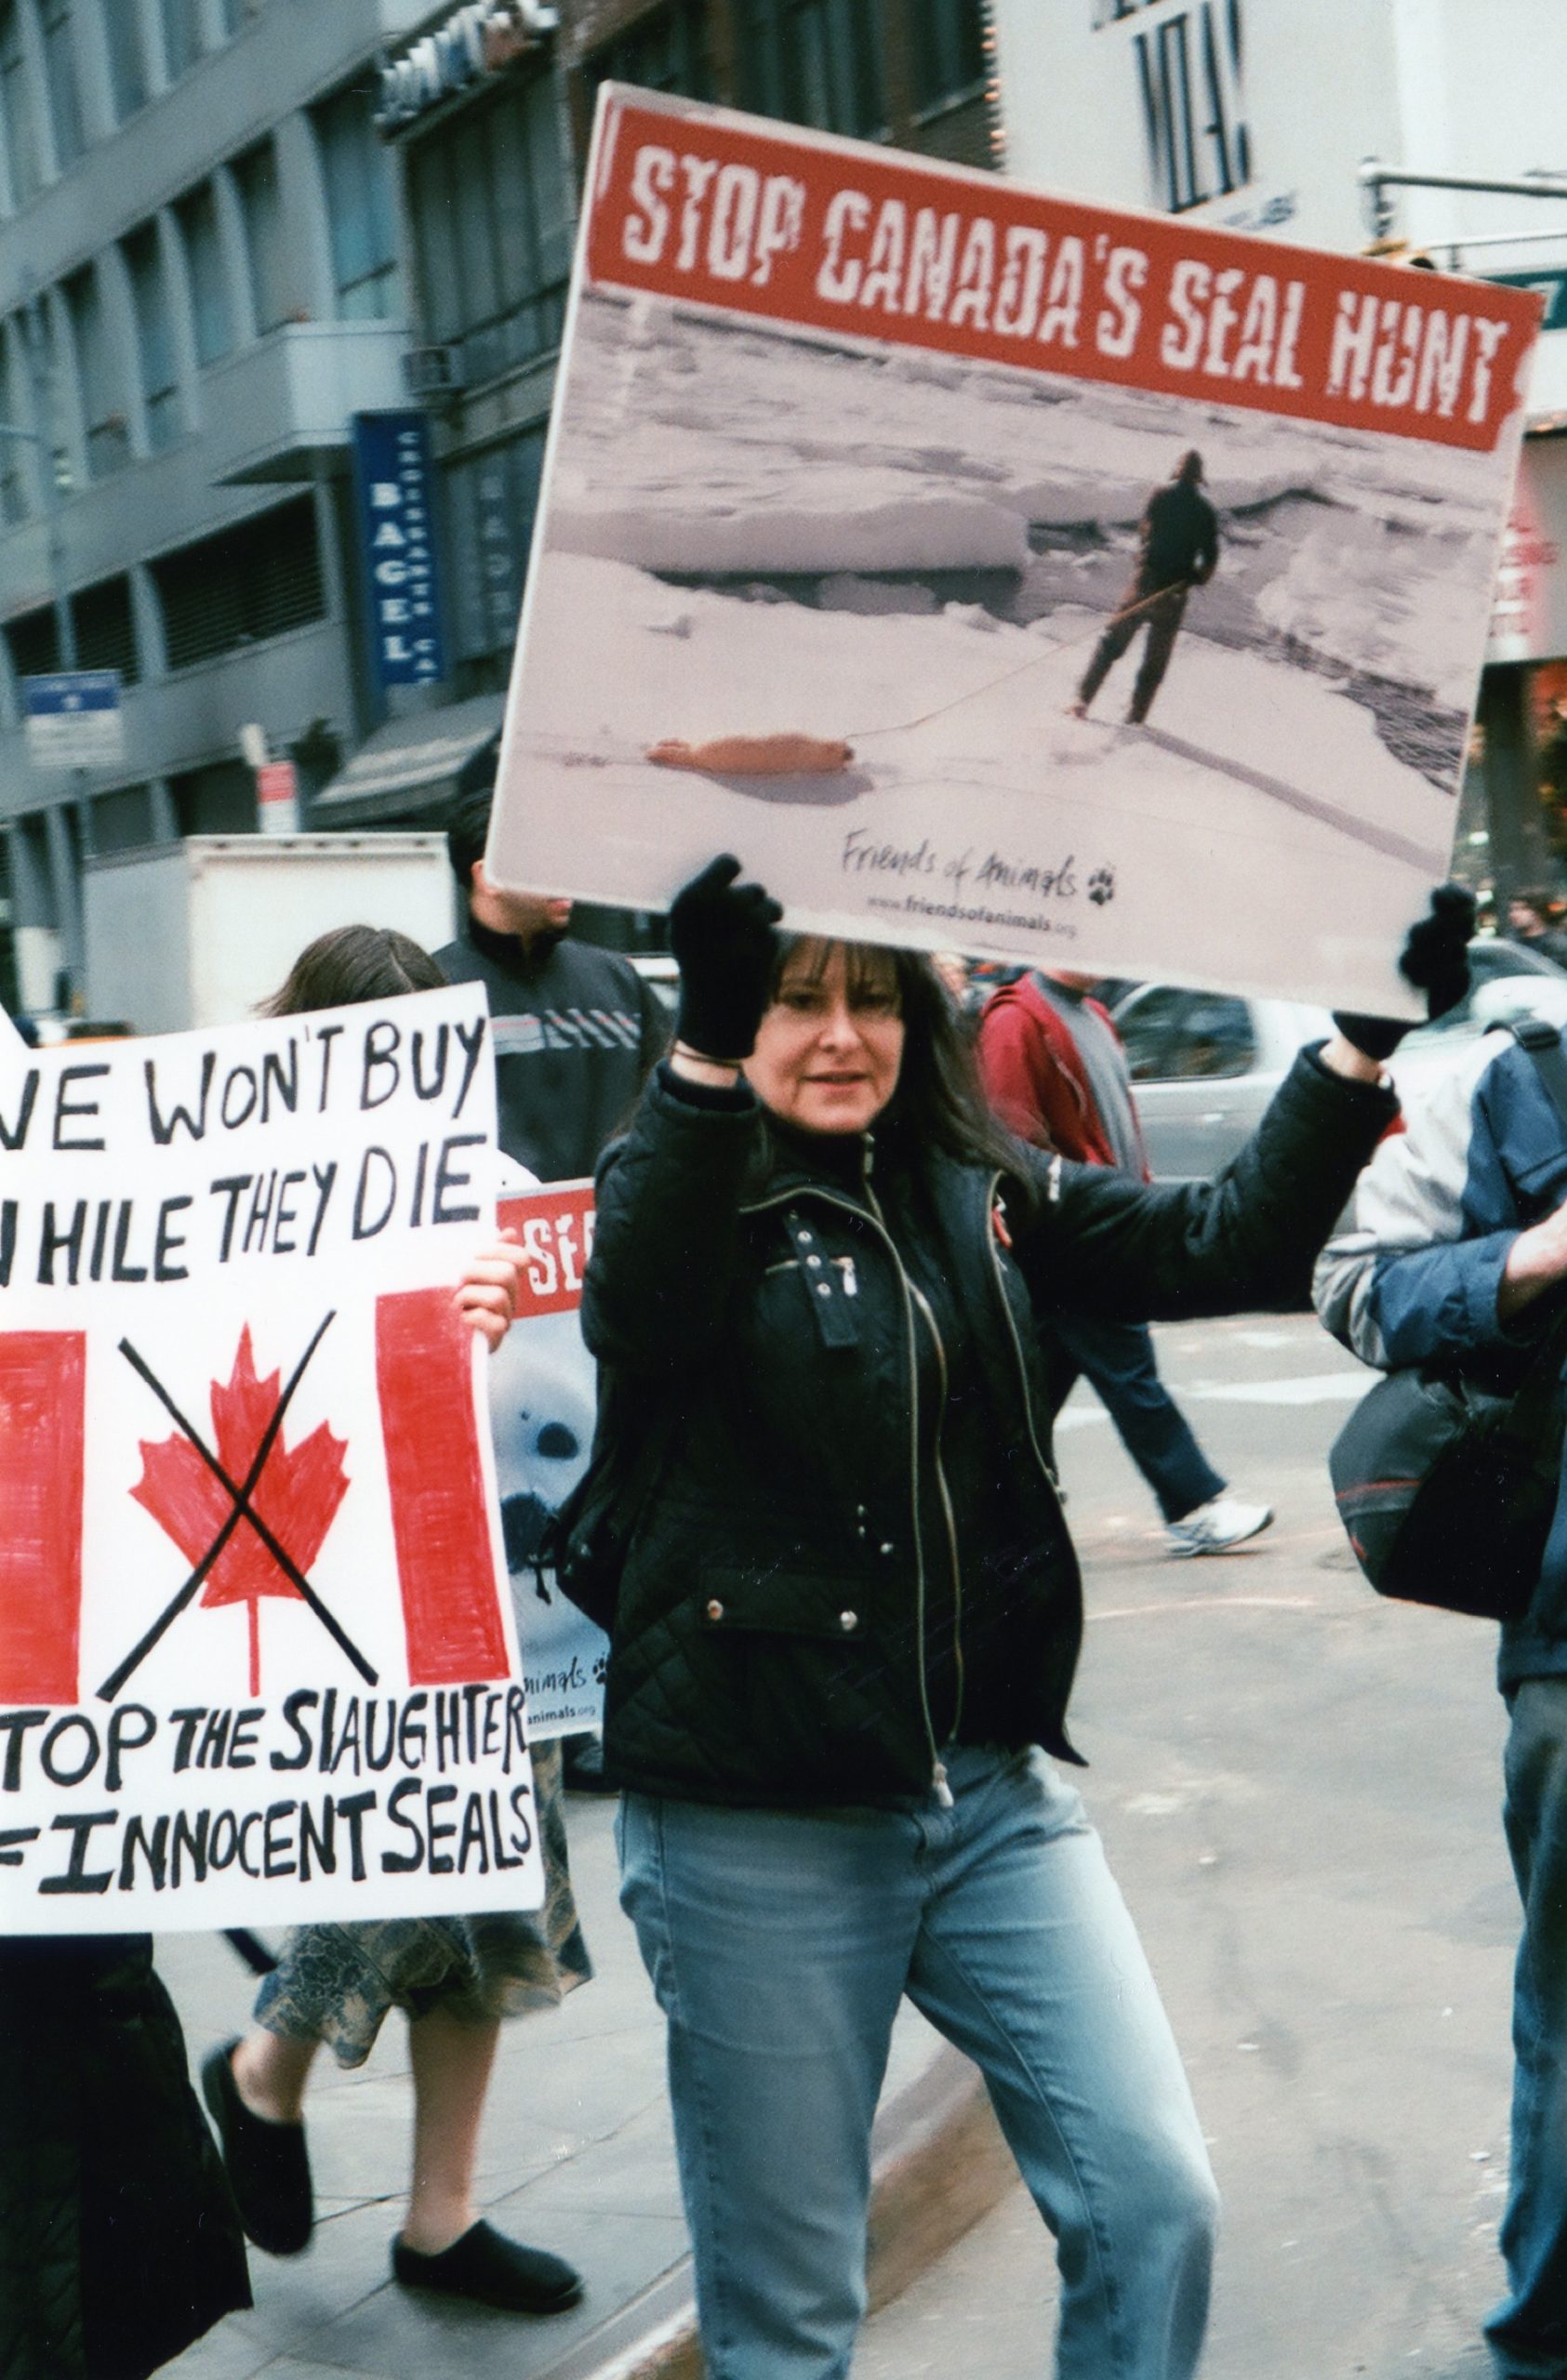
column 833, row 1156
column 508, row 950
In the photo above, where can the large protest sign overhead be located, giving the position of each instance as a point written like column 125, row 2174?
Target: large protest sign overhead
column 880, row 492
column 257, row 1657
column 543, row 1387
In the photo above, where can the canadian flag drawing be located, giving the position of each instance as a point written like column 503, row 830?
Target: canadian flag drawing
column 246, row 1500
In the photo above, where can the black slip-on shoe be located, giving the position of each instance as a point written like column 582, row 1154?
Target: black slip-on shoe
column 491, row 2270
column 268, row 2163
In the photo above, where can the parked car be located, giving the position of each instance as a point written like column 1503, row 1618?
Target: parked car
column 1207, row 1063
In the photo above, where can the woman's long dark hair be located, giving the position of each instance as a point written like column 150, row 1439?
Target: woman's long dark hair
column 938, row 1102
column 355, row 963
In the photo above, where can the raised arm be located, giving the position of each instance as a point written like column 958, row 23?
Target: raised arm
column 657, row 1291
column 1107, row 1246
column 1103, row 1244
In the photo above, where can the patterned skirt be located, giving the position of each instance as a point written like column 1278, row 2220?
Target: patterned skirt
column 336, row 1983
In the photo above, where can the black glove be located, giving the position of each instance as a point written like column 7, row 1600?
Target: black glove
column 722, row 935
column 1435, row 959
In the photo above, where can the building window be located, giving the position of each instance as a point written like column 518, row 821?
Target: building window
column 492, row 216
column 127, row 67
column 102, row 623
column 15, row 107
column 154, row 336
column 181, row 20
column 34, row 641
column 948, row 39
column 59, row 70
column 99, row 376
column 490, row 501
column 121, row 820
column 206, row 269
column 260, row 200
column 666, row 51
column 259, row 579
column 13, row 486
column 360, row 208
column 813, row 61
column 217, row 801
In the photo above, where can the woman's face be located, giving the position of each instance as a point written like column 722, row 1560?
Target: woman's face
column 830, row 1047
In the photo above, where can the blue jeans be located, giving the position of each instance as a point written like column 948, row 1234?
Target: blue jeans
column 1528, row 2331
column 780, row 1944
column 1117, row 1358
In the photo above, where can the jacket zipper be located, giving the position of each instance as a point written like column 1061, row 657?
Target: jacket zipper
column 946, row 1510
column 939, row 1785
column 1048, row 1469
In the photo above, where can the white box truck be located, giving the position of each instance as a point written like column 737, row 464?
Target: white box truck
column 198, row 932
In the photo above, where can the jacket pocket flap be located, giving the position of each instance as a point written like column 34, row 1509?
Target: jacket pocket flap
column 782, row 1603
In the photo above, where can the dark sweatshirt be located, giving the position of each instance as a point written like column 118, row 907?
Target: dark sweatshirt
column 576, row 1030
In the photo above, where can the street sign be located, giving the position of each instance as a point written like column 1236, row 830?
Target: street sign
column 74, row 720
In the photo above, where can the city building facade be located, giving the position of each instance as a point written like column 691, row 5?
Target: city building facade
column 233, row 232
column 200, row 284
column 490, row 166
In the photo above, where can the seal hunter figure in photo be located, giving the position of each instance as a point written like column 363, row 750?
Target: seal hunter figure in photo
column 1179, row 550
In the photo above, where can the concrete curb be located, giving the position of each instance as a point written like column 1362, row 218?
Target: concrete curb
column 939, row 2164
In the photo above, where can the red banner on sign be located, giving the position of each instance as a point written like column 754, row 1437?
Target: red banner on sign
column 440, row 1516
column 555, row 1230
column 801, row 228
column 43, row 1376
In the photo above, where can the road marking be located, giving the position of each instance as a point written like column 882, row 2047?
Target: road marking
column 1209, row 1602
column 1303, row 1388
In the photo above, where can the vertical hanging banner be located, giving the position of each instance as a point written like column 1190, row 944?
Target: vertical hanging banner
column 395, row 489
column 996, row 570
column 257, row 1657
column 543, row 1388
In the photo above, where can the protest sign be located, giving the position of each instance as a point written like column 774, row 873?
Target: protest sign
column 257, row 1660
column 880, row 492
column 543, row 1388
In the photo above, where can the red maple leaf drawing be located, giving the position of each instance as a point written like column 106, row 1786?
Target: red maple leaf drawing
column 297, row 1495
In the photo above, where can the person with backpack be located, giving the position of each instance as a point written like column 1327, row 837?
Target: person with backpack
column 1456, row 1255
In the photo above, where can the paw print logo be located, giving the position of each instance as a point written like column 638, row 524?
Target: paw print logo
column 601, row 1668
column 1101, row 886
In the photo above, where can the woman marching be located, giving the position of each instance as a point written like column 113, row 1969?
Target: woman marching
column 821, row 1292
column 454, row 1978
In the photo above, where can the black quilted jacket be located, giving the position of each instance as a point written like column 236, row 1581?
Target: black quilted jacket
column 119, row 2243
column 855, row 1552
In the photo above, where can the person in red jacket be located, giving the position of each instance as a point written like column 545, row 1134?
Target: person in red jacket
column 1055, row 1073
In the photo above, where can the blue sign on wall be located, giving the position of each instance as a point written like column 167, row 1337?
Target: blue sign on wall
column 394, row 479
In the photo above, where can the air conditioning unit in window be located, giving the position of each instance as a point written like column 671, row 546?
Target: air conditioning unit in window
column 434, row 371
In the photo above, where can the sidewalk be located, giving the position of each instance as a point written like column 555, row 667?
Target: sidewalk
column 576, row 2156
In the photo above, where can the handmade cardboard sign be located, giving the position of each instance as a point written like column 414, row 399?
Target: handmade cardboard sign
column 256, row 1658
column 998, row 572
column 543, row 1389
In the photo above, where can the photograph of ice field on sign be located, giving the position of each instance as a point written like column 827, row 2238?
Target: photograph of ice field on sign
column 887, row 623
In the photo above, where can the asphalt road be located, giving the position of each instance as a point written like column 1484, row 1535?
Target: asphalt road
column 1298, row 1787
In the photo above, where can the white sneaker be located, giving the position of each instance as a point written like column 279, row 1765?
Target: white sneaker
column 1214, row 1527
